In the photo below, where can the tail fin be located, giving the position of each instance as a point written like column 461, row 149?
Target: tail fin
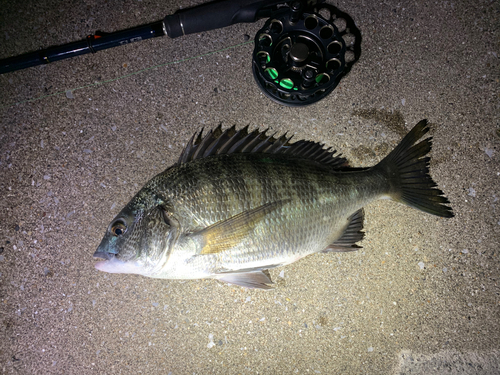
column 407, row 169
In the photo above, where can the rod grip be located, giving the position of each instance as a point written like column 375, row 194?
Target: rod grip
column 212, row 16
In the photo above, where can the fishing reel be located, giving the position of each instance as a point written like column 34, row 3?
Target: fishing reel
column 303, row 51
column 300, row 55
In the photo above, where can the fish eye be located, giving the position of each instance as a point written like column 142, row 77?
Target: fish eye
column 118, row 228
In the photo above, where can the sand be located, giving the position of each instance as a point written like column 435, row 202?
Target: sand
column 79, row 137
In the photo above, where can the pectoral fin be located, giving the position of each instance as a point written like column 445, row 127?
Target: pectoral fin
column 226, row 234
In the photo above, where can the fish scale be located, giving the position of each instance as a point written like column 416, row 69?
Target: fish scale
column 213, row 202
column 299, row 224
column 239, row 203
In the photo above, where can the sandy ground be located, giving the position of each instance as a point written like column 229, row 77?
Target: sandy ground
column 79, row 137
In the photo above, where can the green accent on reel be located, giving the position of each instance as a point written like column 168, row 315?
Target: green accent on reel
column 272, row 73
column 286, row 83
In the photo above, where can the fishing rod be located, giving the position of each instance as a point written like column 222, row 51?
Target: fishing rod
column 300, row 54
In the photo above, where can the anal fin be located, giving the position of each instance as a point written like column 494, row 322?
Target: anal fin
column 352, row 234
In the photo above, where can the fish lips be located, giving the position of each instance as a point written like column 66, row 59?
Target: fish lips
column 104, row 264
column 103, row 255
column 112, row 264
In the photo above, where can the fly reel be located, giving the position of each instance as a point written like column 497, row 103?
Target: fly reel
column 301, row 53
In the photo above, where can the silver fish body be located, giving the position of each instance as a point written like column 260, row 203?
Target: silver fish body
column 237, row 204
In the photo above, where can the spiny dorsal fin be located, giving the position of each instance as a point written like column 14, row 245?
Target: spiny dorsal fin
column 230, row 141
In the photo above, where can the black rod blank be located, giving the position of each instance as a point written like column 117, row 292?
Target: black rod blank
column 209, row 16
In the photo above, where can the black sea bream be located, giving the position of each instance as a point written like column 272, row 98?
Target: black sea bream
column 239, row 203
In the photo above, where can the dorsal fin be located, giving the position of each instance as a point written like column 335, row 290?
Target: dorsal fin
column 230, row 141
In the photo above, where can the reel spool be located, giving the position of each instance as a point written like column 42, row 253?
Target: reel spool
column 300, row 56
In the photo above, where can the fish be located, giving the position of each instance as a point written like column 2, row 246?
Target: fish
column 239, row 203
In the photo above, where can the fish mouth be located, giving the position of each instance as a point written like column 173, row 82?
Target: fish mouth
column 103, row 255
column 112, row 264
